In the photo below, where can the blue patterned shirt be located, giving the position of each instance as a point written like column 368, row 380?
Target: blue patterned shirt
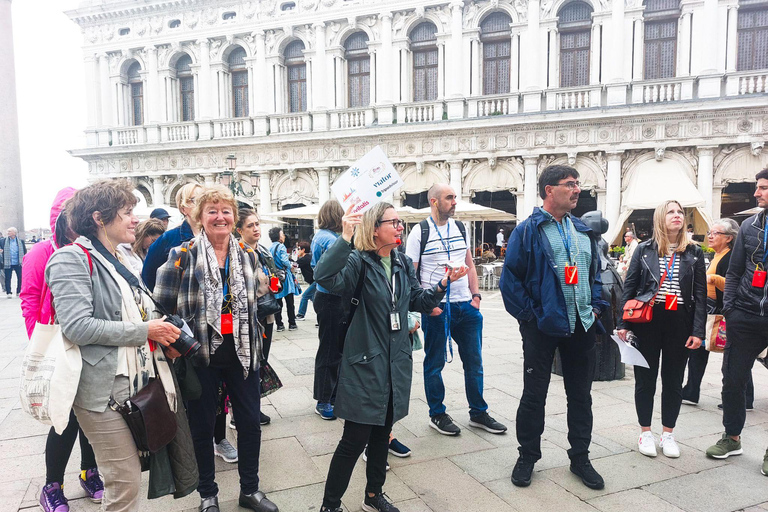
column 578, row 298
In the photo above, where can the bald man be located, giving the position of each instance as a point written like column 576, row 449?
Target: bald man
column 439, row 243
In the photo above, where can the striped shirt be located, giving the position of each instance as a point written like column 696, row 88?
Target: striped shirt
column 671, row 284
column 578, row 298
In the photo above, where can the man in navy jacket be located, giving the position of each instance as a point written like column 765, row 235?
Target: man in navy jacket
column 551, row 285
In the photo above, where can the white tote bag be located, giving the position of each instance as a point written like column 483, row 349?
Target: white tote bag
column 50, row 375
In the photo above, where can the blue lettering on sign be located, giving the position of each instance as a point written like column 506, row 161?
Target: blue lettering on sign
column 383, row 180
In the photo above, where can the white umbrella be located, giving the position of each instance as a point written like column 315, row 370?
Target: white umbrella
column 751, row 211
column 304, row 212
column 475, row 212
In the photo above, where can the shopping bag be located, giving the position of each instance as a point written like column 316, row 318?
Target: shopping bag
column 716, row 338
column 50, row 375
column 270, row 382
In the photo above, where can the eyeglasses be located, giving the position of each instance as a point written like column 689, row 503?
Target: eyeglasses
column 569, row 184
column 396, row 223
column 714, row 233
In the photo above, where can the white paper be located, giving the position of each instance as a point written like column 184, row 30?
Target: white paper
column 368, row 181
column 629, row 354
column 186, row 329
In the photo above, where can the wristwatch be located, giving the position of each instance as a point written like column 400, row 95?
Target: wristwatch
column 477, row 295
column 440, row 286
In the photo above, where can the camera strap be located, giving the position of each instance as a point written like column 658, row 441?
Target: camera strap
column 126, row 274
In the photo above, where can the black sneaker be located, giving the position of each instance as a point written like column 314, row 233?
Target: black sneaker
column 326, row 509
column 378, row 503
column 280, row 328
column 485, row 422
column 588, row 475
column 292, row 327
column 299, row 317
column 444, row 424
column 521, row 475
column 264, row 419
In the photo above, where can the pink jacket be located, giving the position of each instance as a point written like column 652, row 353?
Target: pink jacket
column 33, row 267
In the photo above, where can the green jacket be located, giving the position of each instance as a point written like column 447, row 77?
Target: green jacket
column 375, row 360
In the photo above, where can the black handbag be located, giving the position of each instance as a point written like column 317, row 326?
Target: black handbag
column 150, row 420
column 267, row 305
column 268, row 379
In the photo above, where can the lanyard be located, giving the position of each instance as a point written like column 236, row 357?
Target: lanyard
column 392, row 289
column 226, row 278
column 565, row 234
column 446, row 245
column 765, row 241
column 670, row 266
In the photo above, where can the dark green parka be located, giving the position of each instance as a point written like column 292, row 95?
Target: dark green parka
column 375, row 360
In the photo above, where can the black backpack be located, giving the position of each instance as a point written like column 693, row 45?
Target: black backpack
column 424, row 225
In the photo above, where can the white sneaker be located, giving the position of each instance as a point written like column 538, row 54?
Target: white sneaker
column 647, row 444
column 669, row 446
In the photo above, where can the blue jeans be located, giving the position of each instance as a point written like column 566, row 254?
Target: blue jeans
column 308, row 295
column 467, row 332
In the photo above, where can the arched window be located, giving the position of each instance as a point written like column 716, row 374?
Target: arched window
column 575, row 25
column 424, row 48
column 495, row 36
column 239, row 74
column 753, row 37
column 297, row 77
column 660, row 20
column 136, row 88
column 358, row 69
column 186, row 87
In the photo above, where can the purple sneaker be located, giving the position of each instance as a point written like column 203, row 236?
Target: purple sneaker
column 52, row 499
column 92, row 485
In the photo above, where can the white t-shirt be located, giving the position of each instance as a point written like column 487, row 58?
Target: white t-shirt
column 435, row 254
column 500, row 239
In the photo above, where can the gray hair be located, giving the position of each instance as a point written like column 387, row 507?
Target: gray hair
column 630, row 233
column 730, row 228
column 13, row 229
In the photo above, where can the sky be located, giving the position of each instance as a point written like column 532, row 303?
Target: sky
column 50, row 86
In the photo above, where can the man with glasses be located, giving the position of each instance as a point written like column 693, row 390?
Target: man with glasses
column 439, row 244
column 551, row 285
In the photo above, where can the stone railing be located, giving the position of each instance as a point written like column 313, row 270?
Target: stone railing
column 659, row 91
column 290, row 123
column 420, row 112
column 128, row 136
column 499, row 105
column 572, row 98
column 746, row 82
column 230, row 128
column 178, row 132
column 352, row 118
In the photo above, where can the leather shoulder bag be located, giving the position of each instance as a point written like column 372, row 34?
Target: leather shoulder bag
column 639, row 312
column 150, row 420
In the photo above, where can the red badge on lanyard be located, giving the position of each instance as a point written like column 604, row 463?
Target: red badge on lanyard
column 758, row 278
column 571, row 274
column 670, row 302
column 226, row 323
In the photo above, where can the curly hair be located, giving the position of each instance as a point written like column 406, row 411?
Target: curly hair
column 149, row 227
column 214, row 194
column 106, row 197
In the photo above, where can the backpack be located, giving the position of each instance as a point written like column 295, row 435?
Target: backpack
column 424, row 225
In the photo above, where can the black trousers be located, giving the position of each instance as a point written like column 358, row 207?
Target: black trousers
column 697, row 365
column 8, row 274
column 663, row 338
column 266, row 341
column 352, row 444
column 288, row 308
column 747, row 337
column 331, row 315
column 578, row 356
column 58, row 448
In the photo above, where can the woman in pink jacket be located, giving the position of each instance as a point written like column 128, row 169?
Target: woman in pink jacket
column 36, row 305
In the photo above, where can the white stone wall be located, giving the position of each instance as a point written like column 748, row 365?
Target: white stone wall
column 705, row 114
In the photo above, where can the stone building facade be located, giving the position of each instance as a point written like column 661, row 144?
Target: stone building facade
column 479, row 94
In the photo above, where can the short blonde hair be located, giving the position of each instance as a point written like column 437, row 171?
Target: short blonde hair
column 185, row 193
column 364, row 235
column 214, row 194
column 660, row 235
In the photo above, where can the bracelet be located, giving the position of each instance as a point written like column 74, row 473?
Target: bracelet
column 477, row 295
column 440, row 286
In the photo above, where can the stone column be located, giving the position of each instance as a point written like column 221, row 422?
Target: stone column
column 157, row 192
column 684, row 48
column 514, row 71
column 265, row 198
column 384, row 60
column 595, row 53
column 263, row 96
column 732, row 46
column 613, row 188
column 477, row 87
column 709, row 38
column 11, row 196
column 106, row 93
column 530, row 186
column 92, row 92
column 319, row 94
column 152, row 106
column 324, row 179
column 554, row 56
column 455, row 176
column 638, row 69
column 706, row 175
column 454, row 84
column 440, row 69
column 616, row 72
column 207, row 102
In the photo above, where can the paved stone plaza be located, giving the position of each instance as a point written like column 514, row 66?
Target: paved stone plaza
column 468, row 473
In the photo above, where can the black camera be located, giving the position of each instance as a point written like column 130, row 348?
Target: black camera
column 186, row 345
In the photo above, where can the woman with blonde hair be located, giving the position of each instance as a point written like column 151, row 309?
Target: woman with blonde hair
column 668, row 270
column 146, row 233
column 376, row 367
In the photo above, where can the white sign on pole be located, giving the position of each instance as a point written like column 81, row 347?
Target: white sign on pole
column 368, row 181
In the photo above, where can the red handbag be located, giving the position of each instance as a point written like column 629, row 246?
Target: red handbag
column 639, row 312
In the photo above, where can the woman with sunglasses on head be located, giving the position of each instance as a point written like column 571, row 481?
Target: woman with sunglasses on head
column 720, row 238
column 376, row 368
column 669, row 270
